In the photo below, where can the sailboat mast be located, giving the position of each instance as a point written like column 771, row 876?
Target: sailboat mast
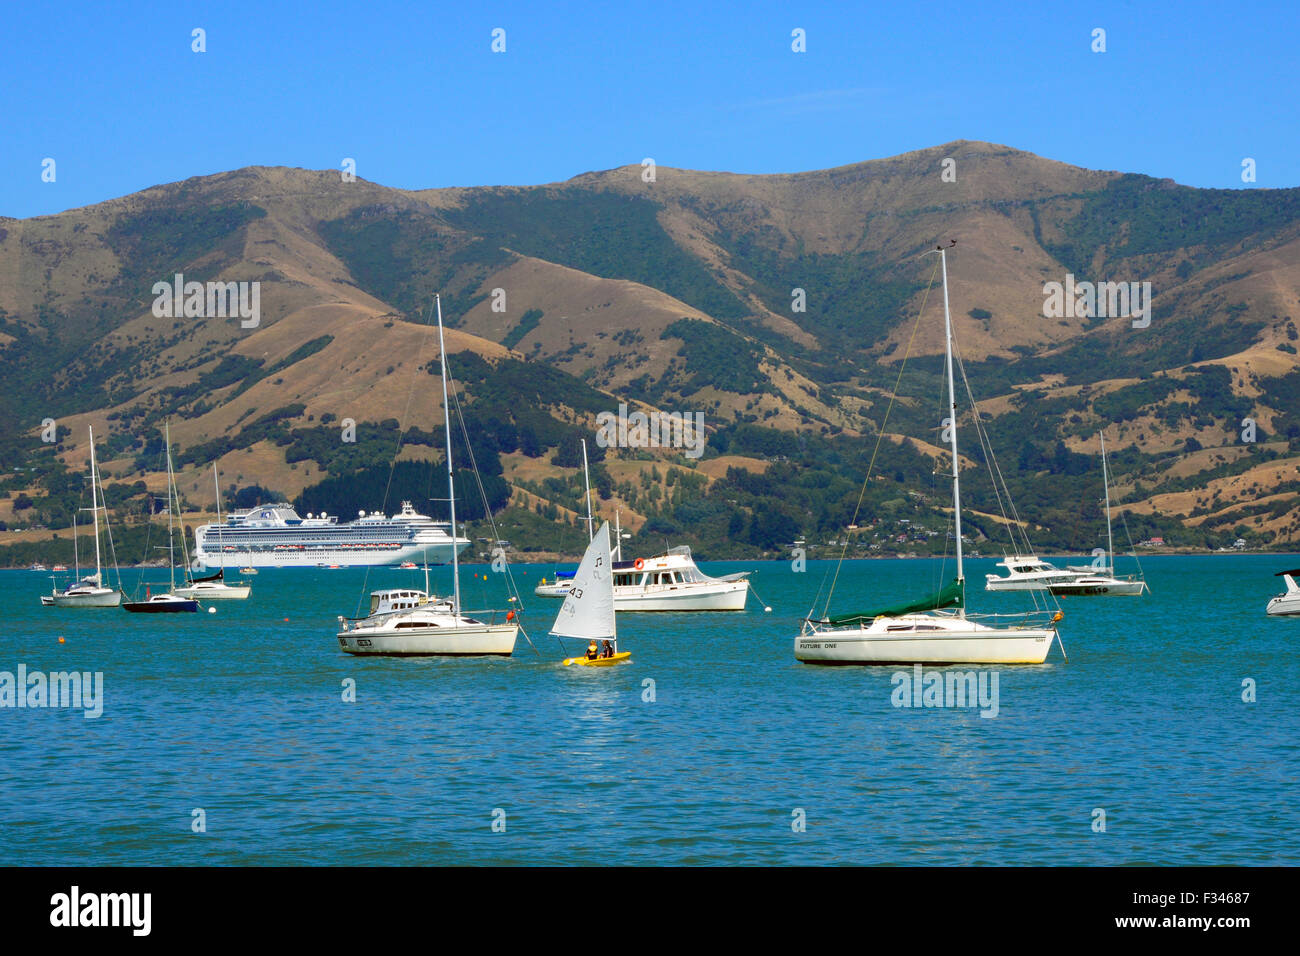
column 952, row 411
column 1105, row 480
column 171, row 554
column 451, row 481
column 94, row 502
column 586, row 478
column 216, row 484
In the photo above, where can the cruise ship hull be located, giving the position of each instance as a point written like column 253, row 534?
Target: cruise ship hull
column 304, row 556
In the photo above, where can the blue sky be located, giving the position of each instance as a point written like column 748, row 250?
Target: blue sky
column 415, row 95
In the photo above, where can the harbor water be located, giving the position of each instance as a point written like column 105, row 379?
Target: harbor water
column 1168, row 735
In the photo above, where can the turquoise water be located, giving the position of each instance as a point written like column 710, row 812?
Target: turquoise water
column 240, row 713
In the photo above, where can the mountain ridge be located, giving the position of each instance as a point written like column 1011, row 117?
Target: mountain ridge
column 675, row 293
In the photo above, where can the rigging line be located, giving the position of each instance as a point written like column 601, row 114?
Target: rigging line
column 108, row 528
column 402, row 427
column 511, row 586
column 999, row 481
column 990, row 460
column 1131, row 547
column 1000, row 486
column 879, row 438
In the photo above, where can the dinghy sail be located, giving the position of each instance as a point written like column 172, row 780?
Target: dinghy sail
column 588, row 609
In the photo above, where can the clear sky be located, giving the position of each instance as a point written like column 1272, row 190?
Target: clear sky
column 114, row 94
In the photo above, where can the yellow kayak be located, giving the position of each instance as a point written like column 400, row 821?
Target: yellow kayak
column 618, row 658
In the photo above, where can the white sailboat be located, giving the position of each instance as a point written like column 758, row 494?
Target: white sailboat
column 1102, row 580
column 169, row 602
column 90, row 590
column 410, row 623
column 588, row 609
column 935, row 629
column 213, row 587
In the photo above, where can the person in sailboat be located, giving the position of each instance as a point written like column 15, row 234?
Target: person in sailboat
column 607, row 649
column 592, row 652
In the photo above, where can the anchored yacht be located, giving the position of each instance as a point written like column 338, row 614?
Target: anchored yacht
column 1287, row 603
column 1027, row 572
column 667, row 582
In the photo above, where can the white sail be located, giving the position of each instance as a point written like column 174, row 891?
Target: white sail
column 588, row 610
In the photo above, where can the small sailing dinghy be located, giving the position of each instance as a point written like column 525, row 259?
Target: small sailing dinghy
column 588, row 609
column 934, row 629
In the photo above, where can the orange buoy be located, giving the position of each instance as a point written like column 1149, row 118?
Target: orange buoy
column 60, row 638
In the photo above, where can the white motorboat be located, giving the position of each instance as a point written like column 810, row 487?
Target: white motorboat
column 1027, row 572
column 90, row 590
column 408, row 623
column 1101, row 579
column 667, row 582
column 1286, row 604
column 934, row 629
column 213, row 587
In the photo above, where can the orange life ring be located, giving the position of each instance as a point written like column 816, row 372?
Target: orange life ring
column 638, row 564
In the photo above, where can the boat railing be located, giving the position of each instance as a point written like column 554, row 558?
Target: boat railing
column 1029, row 619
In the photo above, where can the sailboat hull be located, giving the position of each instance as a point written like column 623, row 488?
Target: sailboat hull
column 907, row 640
column 100, row 598
column 162, row 607
column 219, row 592
column 1093, row 587
column 487, row 640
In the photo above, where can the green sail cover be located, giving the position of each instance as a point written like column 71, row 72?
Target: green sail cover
column 953, row 595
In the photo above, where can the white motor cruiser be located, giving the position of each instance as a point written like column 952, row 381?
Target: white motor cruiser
column 1286, row 604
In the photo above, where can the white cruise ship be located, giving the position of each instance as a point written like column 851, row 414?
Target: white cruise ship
column 274, row 536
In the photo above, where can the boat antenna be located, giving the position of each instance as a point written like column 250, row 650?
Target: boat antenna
column 451, row 479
